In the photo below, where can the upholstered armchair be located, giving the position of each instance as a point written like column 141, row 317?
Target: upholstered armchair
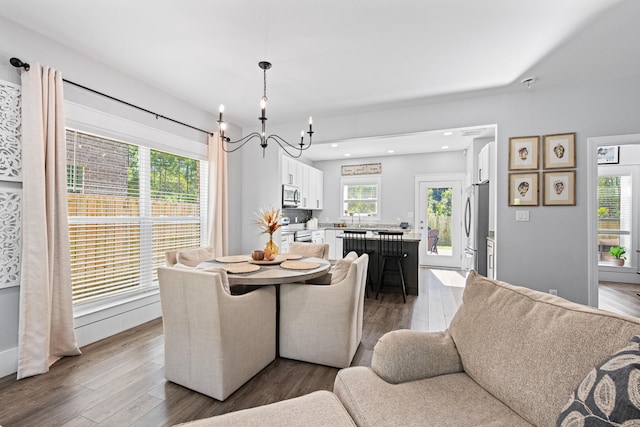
column 190, row 257
column 323, row 323
column 318, row 250
column 214, row 341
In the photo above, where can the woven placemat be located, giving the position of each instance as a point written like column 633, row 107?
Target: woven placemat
column 299, row 265
column 278, row 260
column 238, row 268
column 234, row 258
column 291, row 256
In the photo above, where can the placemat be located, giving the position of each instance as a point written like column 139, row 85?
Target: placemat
column 234, row 258
column 238, row 268
column 299, row 265
column 291, row 256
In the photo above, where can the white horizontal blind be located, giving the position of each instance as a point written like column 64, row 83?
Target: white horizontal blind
column 132, row 206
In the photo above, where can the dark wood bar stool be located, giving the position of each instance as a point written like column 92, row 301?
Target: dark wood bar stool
column 355, row 240
column 391, row 248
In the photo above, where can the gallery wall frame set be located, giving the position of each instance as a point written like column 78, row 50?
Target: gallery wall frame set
column 559, row 186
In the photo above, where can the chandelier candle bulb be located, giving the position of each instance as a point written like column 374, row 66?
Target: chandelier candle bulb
column 310, row 123
column 301, row 136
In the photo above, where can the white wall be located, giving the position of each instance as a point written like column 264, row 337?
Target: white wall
column 398, row 183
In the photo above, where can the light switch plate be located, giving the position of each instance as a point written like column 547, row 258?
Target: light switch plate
column 522, row 215
column 410, row 214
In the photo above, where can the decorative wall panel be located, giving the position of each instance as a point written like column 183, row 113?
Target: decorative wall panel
column 10, row 131
column 10, row 236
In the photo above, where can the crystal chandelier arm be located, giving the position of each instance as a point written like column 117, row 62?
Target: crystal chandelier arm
column 242, row 141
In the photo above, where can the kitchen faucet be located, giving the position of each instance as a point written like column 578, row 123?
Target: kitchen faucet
column 359, row 218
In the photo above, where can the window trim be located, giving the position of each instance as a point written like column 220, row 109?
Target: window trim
column 361, row 180
column 92, row 121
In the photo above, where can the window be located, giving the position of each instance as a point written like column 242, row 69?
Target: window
column 135, row 205
column 614, row 211
column 361, row 197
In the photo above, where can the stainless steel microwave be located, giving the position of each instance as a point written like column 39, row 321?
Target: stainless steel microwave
column 290, row 196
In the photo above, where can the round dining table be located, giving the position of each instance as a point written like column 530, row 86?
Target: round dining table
column 271, row 274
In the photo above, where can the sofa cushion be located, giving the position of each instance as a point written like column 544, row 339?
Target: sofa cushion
column 193, row 257
column 610, row 392
column 531, row 349
column 320, row 408
column 445, row 400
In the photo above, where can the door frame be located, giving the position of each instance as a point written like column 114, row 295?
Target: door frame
column 435, row 178
column 592, row 205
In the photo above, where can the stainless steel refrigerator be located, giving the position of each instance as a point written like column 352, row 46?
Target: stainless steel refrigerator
column 476, row 227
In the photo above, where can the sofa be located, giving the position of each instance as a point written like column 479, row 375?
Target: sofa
column 511, row 357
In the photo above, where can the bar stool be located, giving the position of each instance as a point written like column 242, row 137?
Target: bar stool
column 355, row 241
column 390, row 247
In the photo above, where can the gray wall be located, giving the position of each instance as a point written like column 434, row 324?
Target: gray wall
column 398, row 182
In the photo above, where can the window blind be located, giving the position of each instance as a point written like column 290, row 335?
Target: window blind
column 133, row 206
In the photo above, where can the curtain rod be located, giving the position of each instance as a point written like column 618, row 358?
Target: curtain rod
column 19, row 64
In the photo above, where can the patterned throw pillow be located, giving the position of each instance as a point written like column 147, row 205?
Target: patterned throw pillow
column 610, row 393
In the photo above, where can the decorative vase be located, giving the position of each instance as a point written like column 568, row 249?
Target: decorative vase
column 271, row 246
column 618, row 261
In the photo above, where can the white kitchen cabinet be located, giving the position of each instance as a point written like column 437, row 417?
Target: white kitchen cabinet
column 309, row 180
column 482, row 173
column 318, row 236
column 330, row 238
column 490, row 259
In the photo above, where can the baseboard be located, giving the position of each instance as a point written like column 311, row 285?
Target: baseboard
column 113, row 321
column 8, row 362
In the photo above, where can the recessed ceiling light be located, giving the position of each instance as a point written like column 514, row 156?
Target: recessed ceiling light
column 448, row 133
column 390, row 151
column 444, row 147
column 333, row 145
column 347, row 155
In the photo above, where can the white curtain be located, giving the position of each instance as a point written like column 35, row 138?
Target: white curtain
column 46, row 309
column 218, row 197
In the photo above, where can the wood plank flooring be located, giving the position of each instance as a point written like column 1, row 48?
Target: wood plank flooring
column 622, row 298
column 120, row 381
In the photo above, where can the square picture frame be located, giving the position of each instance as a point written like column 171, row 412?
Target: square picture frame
column 609, row 155
column 559, row 188
column 524, row 189
column 559, row 151
column 523, row 153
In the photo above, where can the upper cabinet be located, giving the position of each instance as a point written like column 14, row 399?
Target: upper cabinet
column 309, row 180
column 482, row 173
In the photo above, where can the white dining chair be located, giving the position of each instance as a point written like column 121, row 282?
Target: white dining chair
column 214, row 341
column 323, row 323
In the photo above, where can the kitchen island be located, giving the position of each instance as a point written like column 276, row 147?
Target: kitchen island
column 410, row 264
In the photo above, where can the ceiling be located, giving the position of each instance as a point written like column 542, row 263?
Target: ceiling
column 329, row 57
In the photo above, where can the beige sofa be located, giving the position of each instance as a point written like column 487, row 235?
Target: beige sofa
column 511, row 357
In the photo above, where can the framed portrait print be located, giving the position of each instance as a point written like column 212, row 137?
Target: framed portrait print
column 559, row 151
column 523, row 189
column 559, row 188
column 609, row 155
column 523, row 153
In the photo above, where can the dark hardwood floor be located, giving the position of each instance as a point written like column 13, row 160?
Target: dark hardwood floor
column 119, row 381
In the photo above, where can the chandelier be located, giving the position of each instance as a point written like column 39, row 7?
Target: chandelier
column 262, row 136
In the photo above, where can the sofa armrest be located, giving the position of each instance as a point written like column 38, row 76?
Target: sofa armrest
column 405, row 355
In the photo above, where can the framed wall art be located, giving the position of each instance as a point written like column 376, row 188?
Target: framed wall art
column 523, row 189
column 609, row 155
column 523, row 153
column 559, row 151
column 559, row 188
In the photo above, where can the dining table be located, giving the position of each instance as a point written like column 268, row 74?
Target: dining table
column 286, row 268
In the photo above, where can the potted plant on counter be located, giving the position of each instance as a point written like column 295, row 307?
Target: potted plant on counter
column 268, row 222
column 617, row 252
